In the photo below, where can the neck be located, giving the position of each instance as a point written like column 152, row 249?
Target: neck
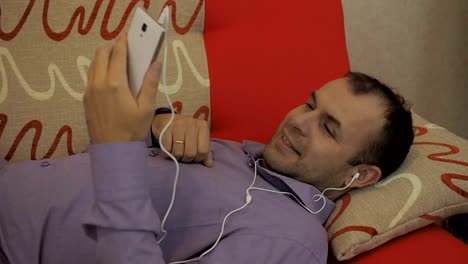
column 335, row 195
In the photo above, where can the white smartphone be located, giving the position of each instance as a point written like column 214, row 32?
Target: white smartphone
column 144, row 39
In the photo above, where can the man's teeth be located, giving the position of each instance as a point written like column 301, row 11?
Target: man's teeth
column 288, row 143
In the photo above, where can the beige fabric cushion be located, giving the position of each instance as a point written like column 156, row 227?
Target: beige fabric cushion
column 432, row 184
column 44, row 59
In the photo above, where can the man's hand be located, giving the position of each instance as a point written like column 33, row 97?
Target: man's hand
column 187, row 139
column 112, row 113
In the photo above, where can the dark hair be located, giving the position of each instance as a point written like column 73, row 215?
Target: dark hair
column 390, row 147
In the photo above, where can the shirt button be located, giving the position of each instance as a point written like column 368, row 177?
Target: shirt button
column 44, row 163
column 153, row 153
column 250, row 163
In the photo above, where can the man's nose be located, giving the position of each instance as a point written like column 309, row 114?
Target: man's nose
column 304, row 122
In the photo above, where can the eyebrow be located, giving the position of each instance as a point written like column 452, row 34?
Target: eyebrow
column 313, row 97
column 329, row 117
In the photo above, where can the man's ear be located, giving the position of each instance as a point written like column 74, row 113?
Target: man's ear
column 368, row 174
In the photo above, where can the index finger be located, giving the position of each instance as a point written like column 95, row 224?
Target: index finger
column 118, row 60
column 204, row 145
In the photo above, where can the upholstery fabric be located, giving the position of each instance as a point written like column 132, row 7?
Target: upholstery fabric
column 45, row 51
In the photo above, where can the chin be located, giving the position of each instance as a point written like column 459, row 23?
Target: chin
column 269, row 156
column 274, row 160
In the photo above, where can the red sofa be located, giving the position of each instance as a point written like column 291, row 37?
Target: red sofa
column 264, row 58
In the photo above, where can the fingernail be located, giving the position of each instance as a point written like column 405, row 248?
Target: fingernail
column 209, row 163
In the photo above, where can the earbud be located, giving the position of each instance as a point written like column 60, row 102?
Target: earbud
column 248, row 198
column 164, row 17
column 355, row 176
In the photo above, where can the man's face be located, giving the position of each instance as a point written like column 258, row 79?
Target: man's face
column 315, row 140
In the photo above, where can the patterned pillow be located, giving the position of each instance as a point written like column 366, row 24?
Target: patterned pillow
column 432, row 184
column 45, row 51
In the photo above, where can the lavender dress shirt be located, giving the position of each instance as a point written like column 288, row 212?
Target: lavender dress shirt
column 106, row 206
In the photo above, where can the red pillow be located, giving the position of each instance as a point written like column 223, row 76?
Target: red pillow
column 266, row 57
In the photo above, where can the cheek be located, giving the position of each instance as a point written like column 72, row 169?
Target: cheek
column 322, row 154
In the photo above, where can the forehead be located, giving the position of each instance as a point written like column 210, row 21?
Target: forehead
column 361, row 116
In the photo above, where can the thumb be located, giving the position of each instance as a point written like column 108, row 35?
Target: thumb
column 208, row 162
column 149, row 89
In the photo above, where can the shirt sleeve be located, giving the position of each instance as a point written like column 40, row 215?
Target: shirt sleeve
column 122, row 219
column 260, row 248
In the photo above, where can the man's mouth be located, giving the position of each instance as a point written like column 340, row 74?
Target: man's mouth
column 289, row 144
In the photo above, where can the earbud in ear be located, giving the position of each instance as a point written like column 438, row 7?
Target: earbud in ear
column 356, row 176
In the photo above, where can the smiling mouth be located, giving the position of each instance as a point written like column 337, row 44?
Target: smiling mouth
column 289, row 144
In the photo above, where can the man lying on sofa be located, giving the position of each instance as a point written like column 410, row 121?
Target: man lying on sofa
column 235, row 203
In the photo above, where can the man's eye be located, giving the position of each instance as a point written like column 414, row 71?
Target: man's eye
column 309, row 106
column 328, row 130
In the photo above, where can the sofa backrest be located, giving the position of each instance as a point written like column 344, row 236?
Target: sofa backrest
column 266, row 57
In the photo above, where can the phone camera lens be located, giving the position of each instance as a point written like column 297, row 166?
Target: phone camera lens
column 143, row 27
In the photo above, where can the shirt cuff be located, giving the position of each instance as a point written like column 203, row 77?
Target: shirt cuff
column 149, row 139
column 122, row 199
column 119, row 170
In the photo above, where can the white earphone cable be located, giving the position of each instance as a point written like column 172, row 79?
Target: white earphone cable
column 164, row 84
column 222, row 226
column 248, row 200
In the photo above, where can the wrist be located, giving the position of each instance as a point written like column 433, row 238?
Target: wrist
column 163, row 110
column 158, row 111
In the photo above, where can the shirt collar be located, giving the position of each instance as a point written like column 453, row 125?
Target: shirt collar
column 304, row 191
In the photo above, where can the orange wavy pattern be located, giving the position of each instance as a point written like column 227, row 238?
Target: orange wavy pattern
column 7, row 36
column 345, row 201
column 366, row 229
column 447, row 177
column 37, row 126
column 83, row 29
column 419, row 131
column 436, row 156
column 66, row 130
column 183, row 30
column 178, row 106
column 203, row 110
column 3, row 122
column 80, row 14
column 431, row 217
column 447, row 180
